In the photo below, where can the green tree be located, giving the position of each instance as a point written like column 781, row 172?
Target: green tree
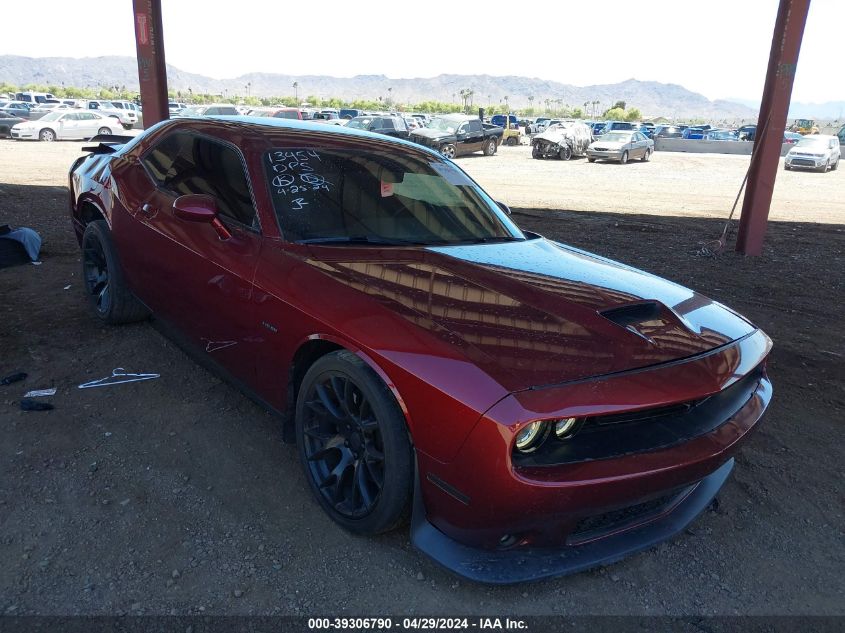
column 577, row 113
column 633, row 115
column 619, row 104
column 614, row 114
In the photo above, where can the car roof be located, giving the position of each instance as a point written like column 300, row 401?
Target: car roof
column 259, row 125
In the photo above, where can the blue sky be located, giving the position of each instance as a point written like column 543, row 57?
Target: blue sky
column 719, row 48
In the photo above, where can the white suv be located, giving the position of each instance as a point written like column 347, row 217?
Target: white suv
column 818, row 152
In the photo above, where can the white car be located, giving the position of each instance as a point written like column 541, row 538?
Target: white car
column 819, row 152
column 65, row 124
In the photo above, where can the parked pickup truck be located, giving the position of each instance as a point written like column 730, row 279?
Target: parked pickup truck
column 456, row 134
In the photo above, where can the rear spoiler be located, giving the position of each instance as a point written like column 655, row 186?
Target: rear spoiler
column 108, row 143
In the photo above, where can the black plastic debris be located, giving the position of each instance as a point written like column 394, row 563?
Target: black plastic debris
column 8, row 380
column 27, row 404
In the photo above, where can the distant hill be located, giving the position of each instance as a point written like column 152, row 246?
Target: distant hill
column 652, row 98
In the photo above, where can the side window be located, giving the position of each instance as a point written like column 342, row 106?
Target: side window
column 475, row 125
column 188, row 164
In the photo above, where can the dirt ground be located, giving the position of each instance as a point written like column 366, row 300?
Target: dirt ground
column 176, row 495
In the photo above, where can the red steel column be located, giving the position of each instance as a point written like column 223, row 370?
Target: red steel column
column 783, row 59
column 152, row 71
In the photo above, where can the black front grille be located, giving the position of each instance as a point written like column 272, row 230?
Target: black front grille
column 804, row 161
column 614, row 435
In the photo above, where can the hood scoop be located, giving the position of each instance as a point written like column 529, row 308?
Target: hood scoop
column 648, row 313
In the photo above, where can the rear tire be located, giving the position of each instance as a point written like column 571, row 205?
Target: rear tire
column 104, row 130
column 647, row 155
column 490, row 147
column 103, row 279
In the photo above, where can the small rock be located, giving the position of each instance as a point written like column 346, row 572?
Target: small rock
column 175, row 573
column 93, row 467
column 420, row 576
column 615, row 577
column 238, row 593
column 136, row 606
column 124, row 502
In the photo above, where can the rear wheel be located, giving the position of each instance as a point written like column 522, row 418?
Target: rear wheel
column 47, row 135
column 624, row 158
column 448, row 150
column 511, row 141
column 647, row 155
column 490, row 147
column 353, row 444
column 111, row 299
column 565, row 152
column 104, row 130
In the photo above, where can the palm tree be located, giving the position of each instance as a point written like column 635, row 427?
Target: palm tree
column 296, row 92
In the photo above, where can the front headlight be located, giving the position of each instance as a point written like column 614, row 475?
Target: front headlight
column 530, row 437
column 564, row 427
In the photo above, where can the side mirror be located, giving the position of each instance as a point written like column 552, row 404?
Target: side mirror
column 200, row 208
column 504, row 207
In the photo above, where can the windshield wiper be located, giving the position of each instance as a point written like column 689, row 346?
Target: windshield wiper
column 361, row 239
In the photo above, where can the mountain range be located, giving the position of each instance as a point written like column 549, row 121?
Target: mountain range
column 650, row 97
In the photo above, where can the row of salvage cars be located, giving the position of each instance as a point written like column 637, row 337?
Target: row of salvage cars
column 534, row 409
column 568, row 139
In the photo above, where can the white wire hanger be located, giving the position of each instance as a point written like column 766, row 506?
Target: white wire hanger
column 118, row 377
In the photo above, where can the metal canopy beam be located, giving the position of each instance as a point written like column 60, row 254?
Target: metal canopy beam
column 774, row 107
column 152, row 70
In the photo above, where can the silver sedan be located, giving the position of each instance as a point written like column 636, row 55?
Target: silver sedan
column 621, row 146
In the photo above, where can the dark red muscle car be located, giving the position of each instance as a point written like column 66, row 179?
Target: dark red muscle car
column 535, row 409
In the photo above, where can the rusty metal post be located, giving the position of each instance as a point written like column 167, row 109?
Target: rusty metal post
column 783, row 59
column 152, row 70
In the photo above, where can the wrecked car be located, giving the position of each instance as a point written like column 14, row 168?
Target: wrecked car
column 562, row 140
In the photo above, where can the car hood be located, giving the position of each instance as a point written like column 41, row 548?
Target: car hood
column 607, row 144
column 536, row 313
column 555, row 135
column 429, row 133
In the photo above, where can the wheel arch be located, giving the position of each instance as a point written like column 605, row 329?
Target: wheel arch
column 310, row 351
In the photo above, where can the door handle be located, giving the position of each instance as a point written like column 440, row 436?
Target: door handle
column 148, row 209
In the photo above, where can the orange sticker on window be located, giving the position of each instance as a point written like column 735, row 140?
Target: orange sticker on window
column 386, row 189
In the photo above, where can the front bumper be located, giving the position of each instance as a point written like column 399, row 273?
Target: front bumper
column 805, row 162
column 575, row 513
column 613, row 154
column 510, row 566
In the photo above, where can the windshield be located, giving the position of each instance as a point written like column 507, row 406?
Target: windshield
column 617, row 137
column 443, row 125
column 379, row 197
column 359, row 124
column 192, row 111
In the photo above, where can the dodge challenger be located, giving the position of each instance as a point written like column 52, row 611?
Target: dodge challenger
column 530, row 409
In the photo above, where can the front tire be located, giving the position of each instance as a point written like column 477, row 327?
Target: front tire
column 448, row 151
column 535, row 151
column 647, row 155
column 565, row 152
column 590, row 159
column 624, row 158
column 353, row 445
column 490, row 147
column 103, row 279
column 511, row 141
column 47, row 135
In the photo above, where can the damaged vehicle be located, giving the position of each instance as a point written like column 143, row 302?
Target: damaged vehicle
column 562, row 140
column 534, row 409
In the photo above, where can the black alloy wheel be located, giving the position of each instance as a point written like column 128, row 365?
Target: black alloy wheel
column 353, row 444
